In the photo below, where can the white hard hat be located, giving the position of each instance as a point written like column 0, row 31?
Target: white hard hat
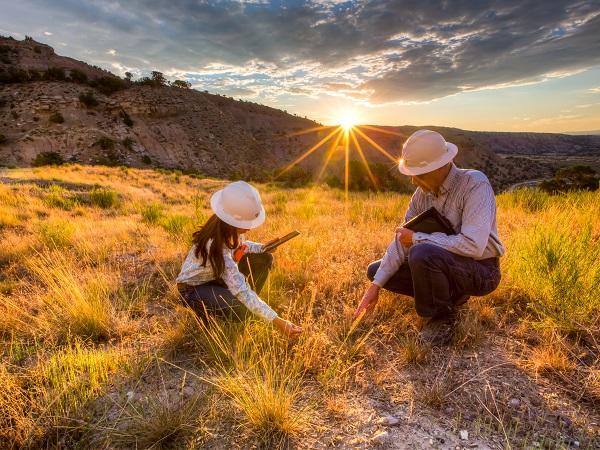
column 425, row 151
column 239, row 205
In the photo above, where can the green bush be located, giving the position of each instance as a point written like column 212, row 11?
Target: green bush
column 47, row 159
column 109, row 84
column 175, row 224
column 55, row 73
column 56, row 233
column 78, row 76
column 106, row 143
column 128, row 143
column 88, row 99
column 58, row 197
column 126, row 119
column 104, row 198
column 153, row 213
column 56, row 117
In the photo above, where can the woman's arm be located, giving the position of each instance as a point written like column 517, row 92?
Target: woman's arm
column 237, row 284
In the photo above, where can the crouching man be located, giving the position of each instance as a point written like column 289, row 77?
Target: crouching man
column 440, row 271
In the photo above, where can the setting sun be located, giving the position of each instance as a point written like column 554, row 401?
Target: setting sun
column 347, row 122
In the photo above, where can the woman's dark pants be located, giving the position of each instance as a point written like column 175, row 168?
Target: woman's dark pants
column 437, row 278
column 213, row 298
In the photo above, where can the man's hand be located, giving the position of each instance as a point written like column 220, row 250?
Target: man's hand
column 287, row 328
column 406, row 236
column 368, row 302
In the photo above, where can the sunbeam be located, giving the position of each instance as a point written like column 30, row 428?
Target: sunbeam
column 363, row 159
column 308, row 152
column 375, row 144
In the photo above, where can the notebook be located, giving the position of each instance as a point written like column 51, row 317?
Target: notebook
column 430, row 221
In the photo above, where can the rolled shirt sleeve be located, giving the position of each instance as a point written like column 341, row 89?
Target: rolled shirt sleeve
column 237, row 284
column 395, row 255
column 392, row 260
column 478, row 215
column 254, row 247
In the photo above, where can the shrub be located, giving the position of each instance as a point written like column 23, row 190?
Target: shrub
column 108, row 84
column 181, row 84
column 106, row 143
column 126, row 119
column 78, row 76
column 152, row 213
column 77, row 301
column 56, row 117
column 56, row 233
column 88, row 99
column 104, row 197
column 175, row 224
column 128, row 143
column 574, row 178
column 58, row 197
column 2, row 138
column 47, row 159
column 55, row 73
column 146, row 159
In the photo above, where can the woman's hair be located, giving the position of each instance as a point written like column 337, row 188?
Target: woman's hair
column 222, row 234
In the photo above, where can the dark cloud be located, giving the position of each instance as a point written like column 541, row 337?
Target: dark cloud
column 388, row 50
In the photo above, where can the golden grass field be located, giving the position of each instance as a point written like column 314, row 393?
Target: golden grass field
column 97, row 351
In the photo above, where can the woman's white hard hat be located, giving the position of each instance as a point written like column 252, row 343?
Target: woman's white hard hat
column 238, row 204
column 425, row 151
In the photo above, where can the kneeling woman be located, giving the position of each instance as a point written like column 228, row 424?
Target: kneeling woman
column 223, row 272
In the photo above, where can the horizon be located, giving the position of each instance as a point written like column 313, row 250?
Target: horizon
column 480, row 69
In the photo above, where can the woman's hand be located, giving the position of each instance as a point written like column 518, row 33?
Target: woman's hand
column 406, row 236
column 287, row 328
column 368, row 301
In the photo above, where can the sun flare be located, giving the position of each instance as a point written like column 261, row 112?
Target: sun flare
column 347, row 122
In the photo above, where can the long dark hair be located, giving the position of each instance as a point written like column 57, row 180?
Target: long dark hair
column 222, row 234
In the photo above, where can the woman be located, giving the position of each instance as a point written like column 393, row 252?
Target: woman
column 213, row 276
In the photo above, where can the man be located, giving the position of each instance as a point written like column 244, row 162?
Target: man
column 440, row 271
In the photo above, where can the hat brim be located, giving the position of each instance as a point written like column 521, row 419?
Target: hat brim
column 215, row 205
column 450, row 154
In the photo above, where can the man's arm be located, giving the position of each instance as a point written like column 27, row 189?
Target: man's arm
column 395, row 254
column 477, row 218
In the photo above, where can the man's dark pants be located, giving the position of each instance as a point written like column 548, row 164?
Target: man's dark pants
column 437, row 278
column 214, row 298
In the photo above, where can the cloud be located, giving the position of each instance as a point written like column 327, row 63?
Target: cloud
column 111, row 51
column 595, row 90
column 375, row 51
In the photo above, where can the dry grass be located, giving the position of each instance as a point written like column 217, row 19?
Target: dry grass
column 87, row 289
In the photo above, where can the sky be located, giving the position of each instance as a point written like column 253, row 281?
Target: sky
column 522, row 65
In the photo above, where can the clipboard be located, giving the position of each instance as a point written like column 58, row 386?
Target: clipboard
column 277, row 242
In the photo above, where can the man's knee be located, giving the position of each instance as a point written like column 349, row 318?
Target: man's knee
column 372, row 269
column 424, row 253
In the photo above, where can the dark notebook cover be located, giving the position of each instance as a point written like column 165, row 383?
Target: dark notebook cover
column 430, row 221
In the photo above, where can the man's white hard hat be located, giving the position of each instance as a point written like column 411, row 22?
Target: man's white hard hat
column 238, row 204
column 425, row 151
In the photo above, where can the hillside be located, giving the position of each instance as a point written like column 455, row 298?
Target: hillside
column 170, row 127
column 51, row 103
column 97, row 351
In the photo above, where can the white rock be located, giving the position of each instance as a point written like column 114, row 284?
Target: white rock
column 464, row 435
column 514, row 402
column 130, row 395
column 389, row 420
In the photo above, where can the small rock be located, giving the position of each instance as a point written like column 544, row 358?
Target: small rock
column 514, row 403
column 381, row 437
column 576, row 444
column 188, row 391
column 389, row 421
column 130, row 395
column 464, row 435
